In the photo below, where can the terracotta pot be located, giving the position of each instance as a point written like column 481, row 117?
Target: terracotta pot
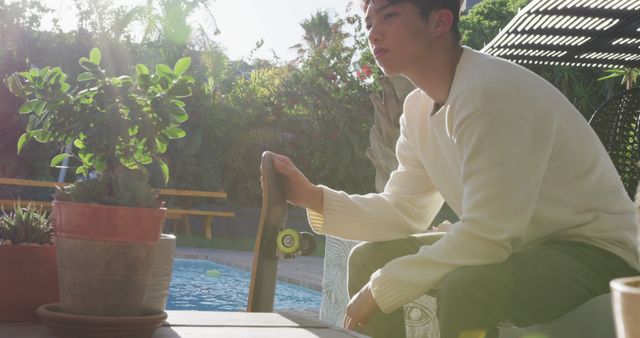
column 625, row 295
column 65, row 325
column 158, row 286
column 107, row 222
column 28, row 279
column 105, row 255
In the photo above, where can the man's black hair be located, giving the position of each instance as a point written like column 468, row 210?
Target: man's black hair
column 427, row 6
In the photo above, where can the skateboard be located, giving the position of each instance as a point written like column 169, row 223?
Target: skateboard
column 273, row 240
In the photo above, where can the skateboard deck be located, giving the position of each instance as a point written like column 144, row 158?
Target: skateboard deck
column 273, row 218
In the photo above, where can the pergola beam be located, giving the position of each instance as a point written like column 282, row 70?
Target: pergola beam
column 572, row 32
column 622, row 34
column 630, row 49
column 585, row 12
column 599, row 63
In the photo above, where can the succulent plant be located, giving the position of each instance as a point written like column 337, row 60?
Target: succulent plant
column 26, row 225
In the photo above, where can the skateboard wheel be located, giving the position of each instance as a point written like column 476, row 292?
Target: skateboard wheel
column 288, row 241
column 307, row 243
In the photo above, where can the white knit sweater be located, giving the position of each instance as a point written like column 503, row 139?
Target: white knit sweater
column 511, row 156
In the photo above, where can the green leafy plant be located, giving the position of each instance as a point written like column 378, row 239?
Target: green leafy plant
column 26, row 225
column 117, row 125
column 629, row 76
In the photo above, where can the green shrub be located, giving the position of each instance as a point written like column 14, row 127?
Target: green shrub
column 117, row 125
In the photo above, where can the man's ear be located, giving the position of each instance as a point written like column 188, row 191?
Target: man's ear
column 442, row 21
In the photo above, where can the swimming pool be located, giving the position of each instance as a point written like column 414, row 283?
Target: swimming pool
column 192, row 288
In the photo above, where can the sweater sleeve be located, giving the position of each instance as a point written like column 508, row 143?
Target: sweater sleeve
column 504, row 157
column 407, row 206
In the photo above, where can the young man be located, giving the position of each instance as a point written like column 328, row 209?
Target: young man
column 545, row 222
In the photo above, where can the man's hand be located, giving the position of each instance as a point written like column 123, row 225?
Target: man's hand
column 300, row 191
column 445, row 226
column 360, row 309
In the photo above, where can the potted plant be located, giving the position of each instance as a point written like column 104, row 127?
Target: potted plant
column 109, row 222
column 27, row 263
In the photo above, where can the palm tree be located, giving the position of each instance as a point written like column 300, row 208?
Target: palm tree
column 168, row 23
column 578, row 86
column 629, row 76
column 317, row 29
column 105, row 21
column 122, row 19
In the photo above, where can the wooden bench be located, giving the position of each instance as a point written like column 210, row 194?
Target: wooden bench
column 180, row 214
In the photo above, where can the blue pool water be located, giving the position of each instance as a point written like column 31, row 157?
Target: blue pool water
column 192, row 288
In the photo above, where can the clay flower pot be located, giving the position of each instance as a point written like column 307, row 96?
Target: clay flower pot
column 158, row 286
column 105, row 256
column 625, row 295
column 28, row 279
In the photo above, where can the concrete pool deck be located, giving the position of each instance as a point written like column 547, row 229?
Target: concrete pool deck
column 203, row 324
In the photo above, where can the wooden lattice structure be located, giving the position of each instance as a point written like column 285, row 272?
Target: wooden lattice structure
column 584, row 33
column 617, row 123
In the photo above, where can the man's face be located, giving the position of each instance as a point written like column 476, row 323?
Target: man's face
column 399, row 37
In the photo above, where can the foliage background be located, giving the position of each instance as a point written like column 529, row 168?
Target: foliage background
column 315, row 109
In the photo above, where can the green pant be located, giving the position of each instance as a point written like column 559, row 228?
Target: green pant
column 533, row 286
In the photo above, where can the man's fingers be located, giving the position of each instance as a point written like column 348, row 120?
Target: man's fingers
column 281, row 166
column 347, row 321
column 283, row 159
column 350, row 324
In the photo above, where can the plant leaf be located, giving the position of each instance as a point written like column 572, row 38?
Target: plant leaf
column 165, row 171
column 59, row 158
column 78, row 143
column 15, row 86
column 22, row 141
column 95, row 56
column 125, row 79
column 180, row 116
column 39, row 135
column 86, row 76
column 161, row 146
column 180, row 90
column 175, row 132
column 88, row 65
column 181, row 66
column 142, row 69
column 164, row 70
column 39, row 108
column 29, row 106
column 610, row 76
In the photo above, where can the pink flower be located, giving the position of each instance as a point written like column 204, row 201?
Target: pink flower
column 366, row 70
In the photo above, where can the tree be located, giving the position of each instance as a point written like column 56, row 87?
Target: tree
column 315, row 110
column 317, row 29
column 485, row 20
column 19, row 24
column 629, row 76
column 168, row 24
